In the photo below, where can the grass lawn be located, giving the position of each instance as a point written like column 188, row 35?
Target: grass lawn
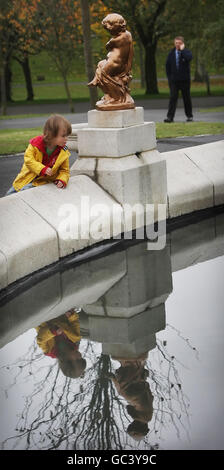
column 43, row 64
column 16, row 140
column 181, row 129
column 55, row 93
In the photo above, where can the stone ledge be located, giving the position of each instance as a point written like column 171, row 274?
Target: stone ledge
column 210, row 159
column 28, row 242
column 188, row 188
column 66, row 205
column 3, row 271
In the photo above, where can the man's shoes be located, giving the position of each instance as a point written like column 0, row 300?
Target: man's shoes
column 168, row 120
column 189, row 119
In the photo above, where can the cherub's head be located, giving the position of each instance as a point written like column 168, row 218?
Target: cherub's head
column 114, row 23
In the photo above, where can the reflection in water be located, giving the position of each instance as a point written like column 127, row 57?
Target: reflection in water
column 130, row 382
column 98, row 377
column 59, row 338
column 108, row 408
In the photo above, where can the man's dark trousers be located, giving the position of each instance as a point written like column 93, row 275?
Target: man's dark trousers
column 175, row 86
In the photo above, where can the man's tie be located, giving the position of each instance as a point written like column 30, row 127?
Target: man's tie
column 178, row 59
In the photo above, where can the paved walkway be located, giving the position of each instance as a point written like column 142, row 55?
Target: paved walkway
column 156, row 115
column 155, row 110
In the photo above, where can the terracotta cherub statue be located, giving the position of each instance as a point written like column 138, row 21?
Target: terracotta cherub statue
column 113, row 74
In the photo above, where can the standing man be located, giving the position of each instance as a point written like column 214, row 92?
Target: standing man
column 178, row 74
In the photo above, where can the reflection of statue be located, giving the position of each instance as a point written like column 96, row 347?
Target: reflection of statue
column 59, row 338
column 113, row 73
column 130, row 382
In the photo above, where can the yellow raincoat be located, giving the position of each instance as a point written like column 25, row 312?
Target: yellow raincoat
column 32, row 167
column 69, row 325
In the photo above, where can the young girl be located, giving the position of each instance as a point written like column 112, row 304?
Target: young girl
column 46, row 159
column 59, row 338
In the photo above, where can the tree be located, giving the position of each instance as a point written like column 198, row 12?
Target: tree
column 60, row 23
column 19, row 37
column 24, row 62
column 29, row 40
column 88, row 49
column 89, row 413
column 7, row 39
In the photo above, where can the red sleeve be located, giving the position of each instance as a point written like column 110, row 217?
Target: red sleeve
column 44, row 170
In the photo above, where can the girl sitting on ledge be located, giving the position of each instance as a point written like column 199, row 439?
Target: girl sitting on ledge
column 46, row 159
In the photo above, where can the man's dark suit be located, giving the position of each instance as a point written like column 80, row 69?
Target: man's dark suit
column 179, row 79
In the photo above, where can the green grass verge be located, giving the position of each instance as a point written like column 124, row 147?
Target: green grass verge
column 16, row 140
column 181, row 129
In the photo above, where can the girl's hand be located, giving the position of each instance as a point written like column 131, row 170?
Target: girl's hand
column 59, row 331
column 49, row 172
column 59, row 184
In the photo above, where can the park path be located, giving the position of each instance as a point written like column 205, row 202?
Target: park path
column 155, row 110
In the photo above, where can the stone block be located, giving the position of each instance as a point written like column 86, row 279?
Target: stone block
column 119, row 118
column 210, row 159
column 189, row 189
column 72, row 142
column 81, row 215
column 130, row 180
column 3, row 271
column 126, row 330
column 89, row 281
column 130, row 350
column 27, row 240
column 84, row 166
column 155, row 178
column 136, row 292
column 134, row 179
column 108, row 142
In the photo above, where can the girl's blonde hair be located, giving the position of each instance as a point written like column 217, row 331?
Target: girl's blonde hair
column 53, row 125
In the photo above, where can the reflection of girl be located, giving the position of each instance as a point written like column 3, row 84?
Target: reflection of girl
column 59, row 338
column 130, row 382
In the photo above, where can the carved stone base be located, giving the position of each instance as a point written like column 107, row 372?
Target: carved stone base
column 110, row 107
column 109, row 104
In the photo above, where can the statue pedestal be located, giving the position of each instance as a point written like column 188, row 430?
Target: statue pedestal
column 126, row 318
column 116, row 142
column 122, row 160
column 124, row 118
